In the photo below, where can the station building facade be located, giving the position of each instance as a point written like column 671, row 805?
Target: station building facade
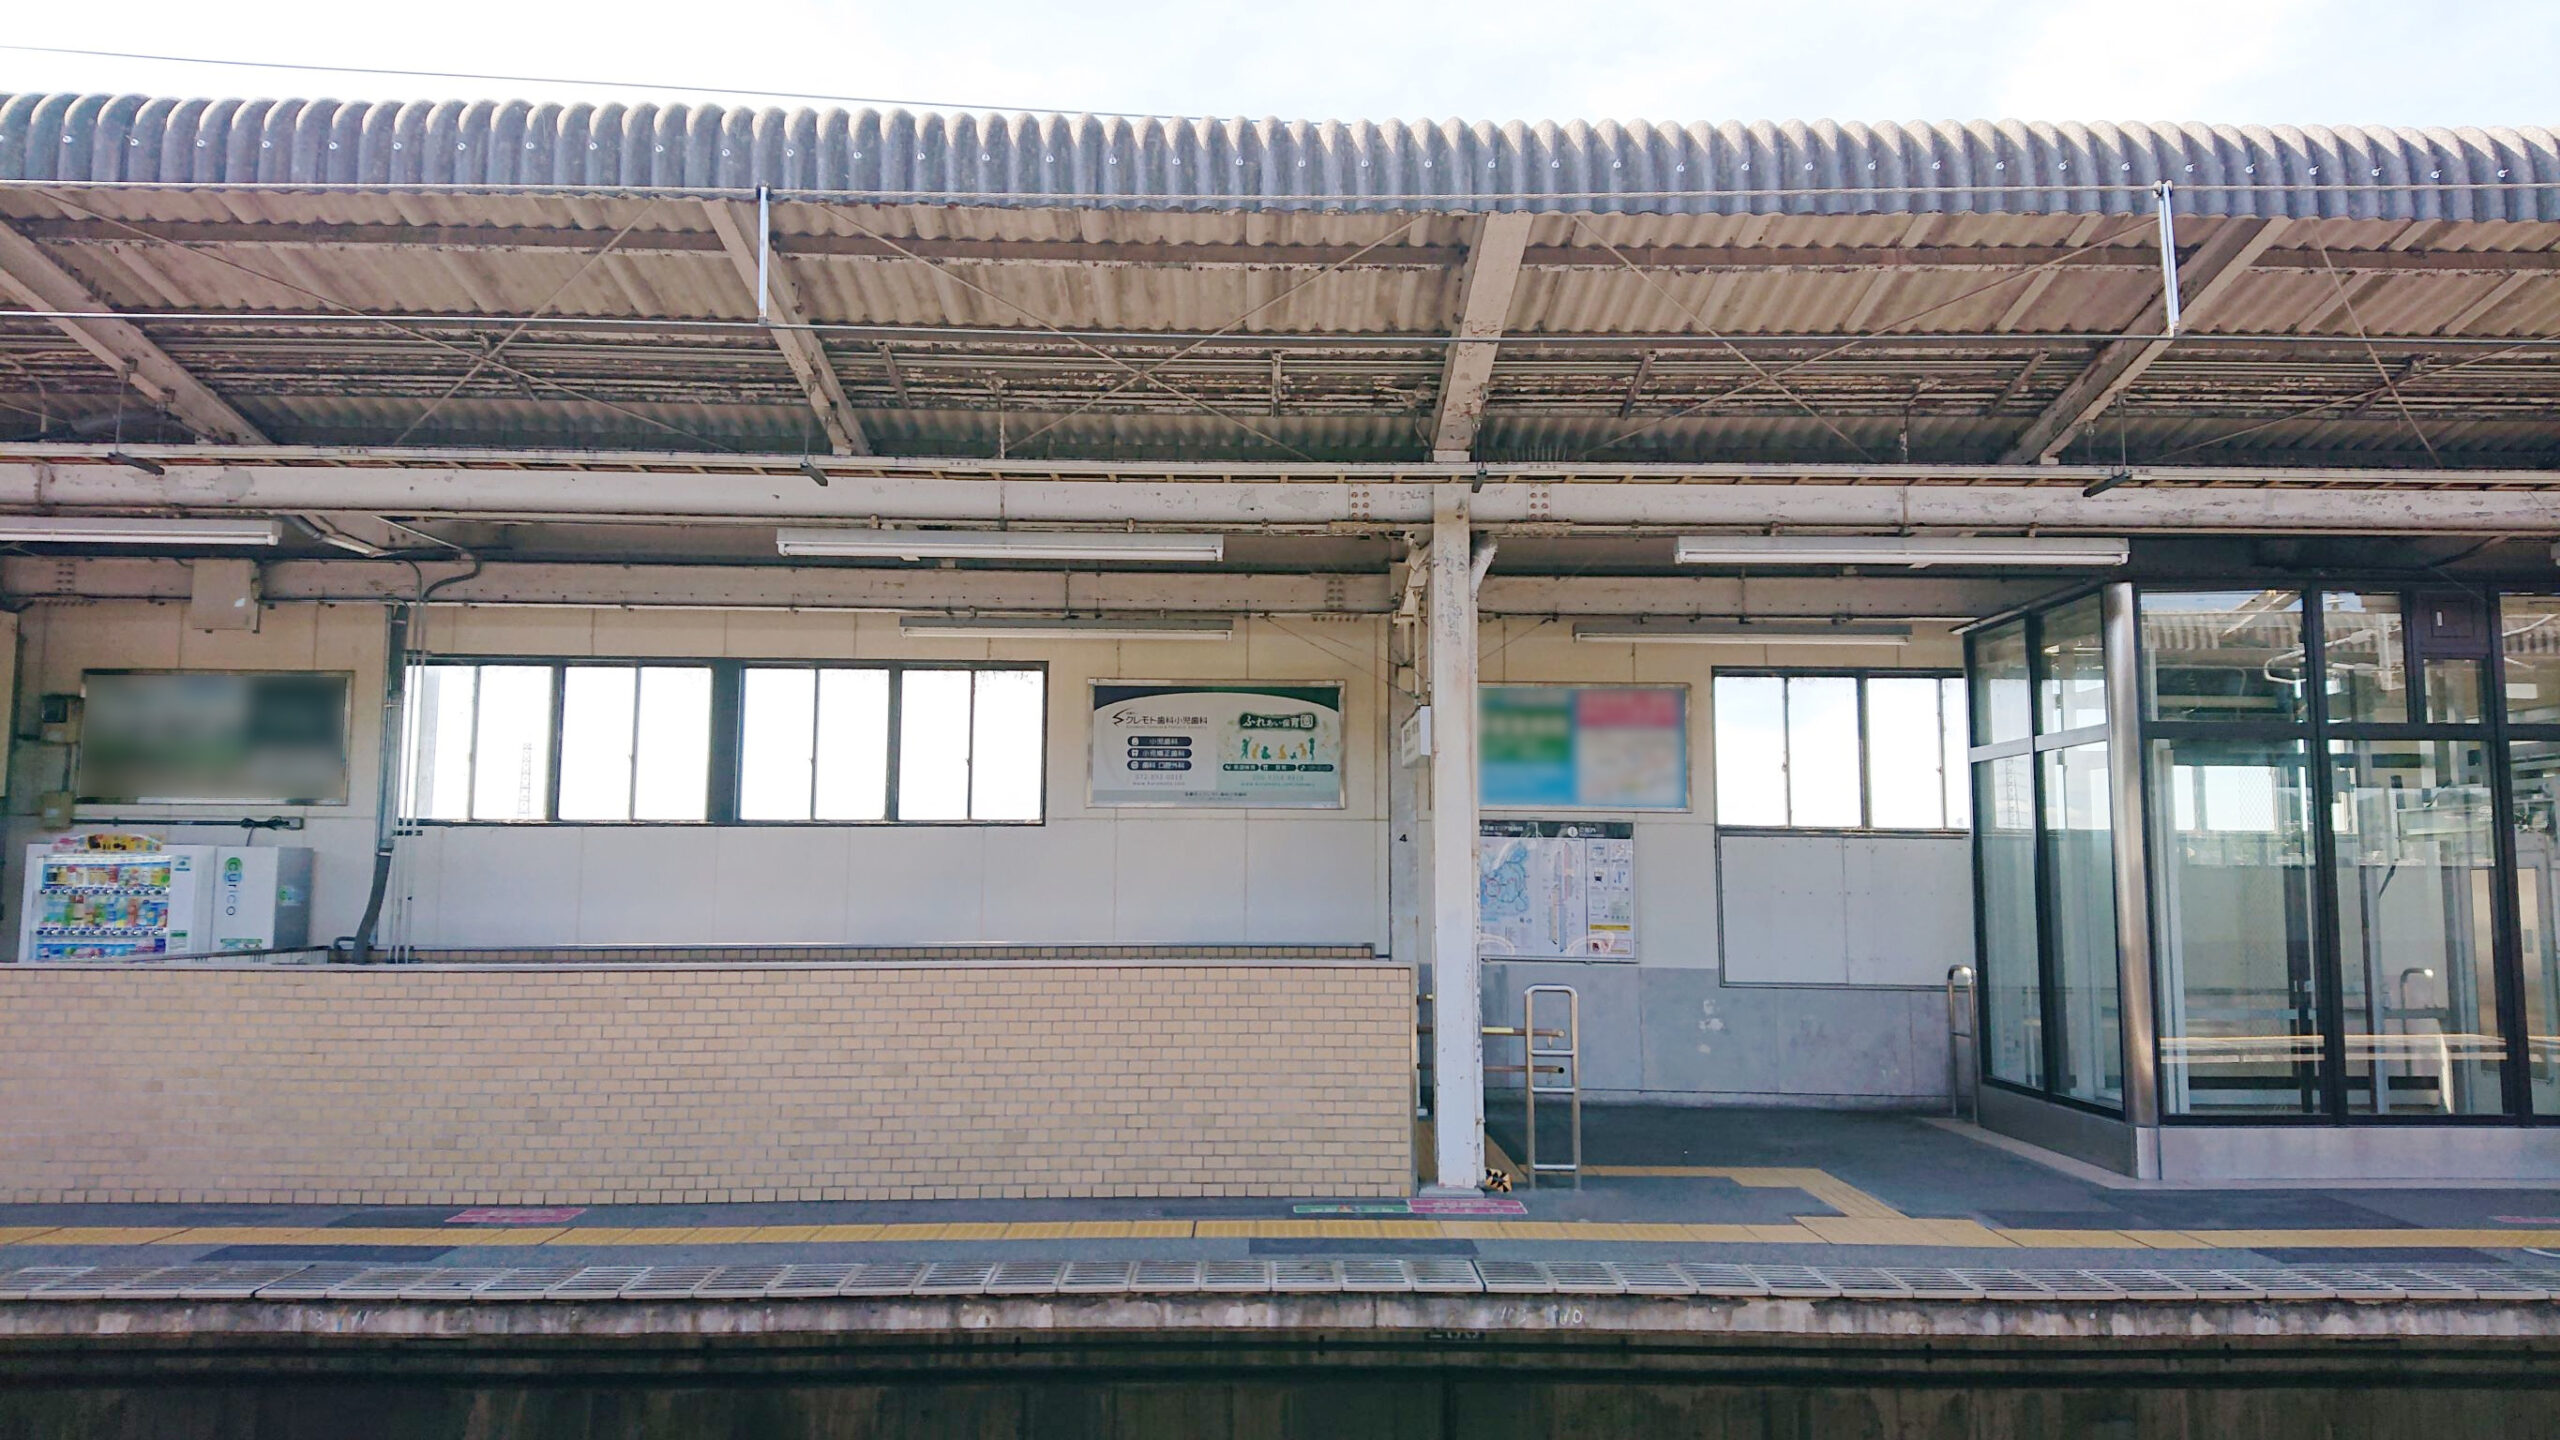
column 781, row 685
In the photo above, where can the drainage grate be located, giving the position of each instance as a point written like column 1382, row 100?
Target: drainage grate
column 238, row 1282
column 739, row 1282
column 452, row 1283
column 96, row 1283
column 1928, row 1283
column 1583, row 1277
column 596, row 1282
column 2216, row 1285
column 955, row 1277
column 311, row 1282
column 170, row 1283
column 1166, row 1277
column 1445, row 1277
column 1643, row 1277
column 1306, row 1277
column 1364, row 1274
column 806, row 1282
column 526, row 1283
column 1515, row 1277
column 1095, row 1277
column 19, row 1284
column 888, row 1278
column 1731, row 1281
column 1236, row 1277
column 1376, row 1276
column 380, row 1282
column 1796, row 1282
column 1026, row 1277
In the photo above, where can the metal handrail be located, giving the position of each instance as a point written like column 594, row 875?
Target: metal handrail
column 1962, row 1036
column 1566, row 1060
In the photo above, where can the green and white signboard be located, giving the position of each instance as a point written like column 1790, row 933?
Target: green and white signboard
column 1217, row 746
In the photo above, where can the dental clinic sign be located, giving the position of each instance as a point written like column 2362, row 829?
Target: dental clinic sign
column 1217, row 746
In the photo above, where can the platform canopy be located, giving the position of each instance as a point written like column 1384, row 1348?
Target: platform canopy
column 506, row 278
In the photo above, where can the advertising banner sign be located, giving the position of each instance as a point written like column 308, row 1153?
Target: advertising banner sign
column 1582, row 747
column 1217, row 746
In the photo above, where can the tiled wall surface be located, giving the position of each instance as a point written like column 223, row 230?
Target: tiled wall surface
column 523, row 1086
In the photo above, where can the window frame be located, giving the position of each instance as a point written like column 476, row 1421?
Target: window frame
column 1866, row 797
column 724, row 771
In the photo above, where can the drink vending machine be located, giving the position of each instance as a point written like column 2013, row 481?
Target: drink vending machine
column 134, row 904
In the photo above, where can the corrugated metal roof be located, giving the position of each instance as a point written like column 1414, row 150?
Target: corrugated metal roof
column 1086, row 161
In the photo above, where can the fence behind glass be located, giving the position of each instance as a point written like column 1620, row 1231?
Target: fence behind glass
column 2081, row 916
column 2012, row 978
column 2417, row 966
column 2535, row 768
column 2231, row 859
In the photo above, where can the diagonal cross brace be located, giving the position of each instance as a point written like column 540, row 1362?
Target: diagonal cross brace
column 2205, row 278
column 736, row 224
column 39, row 282
column 1484, row 309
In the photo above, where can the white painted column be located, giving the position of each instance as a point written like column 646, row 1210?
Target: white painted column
column 1457, row 1020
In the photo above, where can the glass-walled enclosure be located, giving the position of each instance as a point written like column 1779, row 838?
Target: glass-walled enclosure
column 2044, row 856
column 2349, row 833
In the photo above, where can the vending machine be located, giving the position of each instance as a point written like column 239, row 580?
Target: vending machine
column 116, row 904
column 139, row 905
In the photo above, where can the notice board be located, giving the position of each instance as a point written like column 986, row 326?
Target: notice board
column 1556, row 889
column 1217, row 746
column 1584, row 747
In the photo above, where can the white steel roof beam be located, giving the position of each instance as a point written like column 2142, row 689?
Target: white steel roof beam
column 738, row 226
column 37, row 281
column 1484, row 309
column 2204, row 278
column 1002, row 592
column 2167, row 504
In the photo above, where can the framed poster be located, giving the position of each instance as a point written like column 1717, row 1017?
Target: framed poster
column 1556, row 889
column 1229, row 747
column 224, row 737
column 1584, row 747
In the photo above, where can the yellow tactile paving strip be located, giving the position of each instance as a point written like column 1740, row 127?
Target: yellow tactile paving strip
column 1811, row 1230
column 1863, row 1220
column 1839, row 1194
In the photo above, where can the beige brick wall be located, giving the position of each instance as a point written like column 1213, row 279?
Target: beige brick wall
column 429, row 1085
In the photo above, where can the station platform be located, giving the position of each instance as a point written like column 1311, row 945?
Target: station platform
column 1753, row 1196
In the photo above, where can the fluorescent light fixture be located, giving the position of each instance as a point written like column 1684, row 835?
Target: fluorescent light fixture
column 1916, row 551
column 1089, row 627
column 999, row 544
column 1742, row 632
column 136, row 530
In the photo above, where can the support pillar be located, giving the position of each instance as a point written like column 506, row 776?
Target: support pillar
column 1457, row 1097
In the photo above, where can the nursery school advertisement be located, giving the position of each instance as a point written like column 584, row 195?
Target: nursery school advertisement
column 1218, row 746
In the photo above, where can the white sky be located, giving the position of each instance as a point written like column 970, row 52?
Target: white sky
column 2402, row 62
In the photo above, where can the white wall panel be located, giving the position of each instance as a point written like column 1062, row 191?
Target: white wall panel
column 915, row 885
column 1053, row 885
column 1909, row 906
column 648, row 886
column 1782, row 898
column 1313, row 882
column 1676, row 895
column 1180, row 881
column 782, row 885
column 507, row 885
